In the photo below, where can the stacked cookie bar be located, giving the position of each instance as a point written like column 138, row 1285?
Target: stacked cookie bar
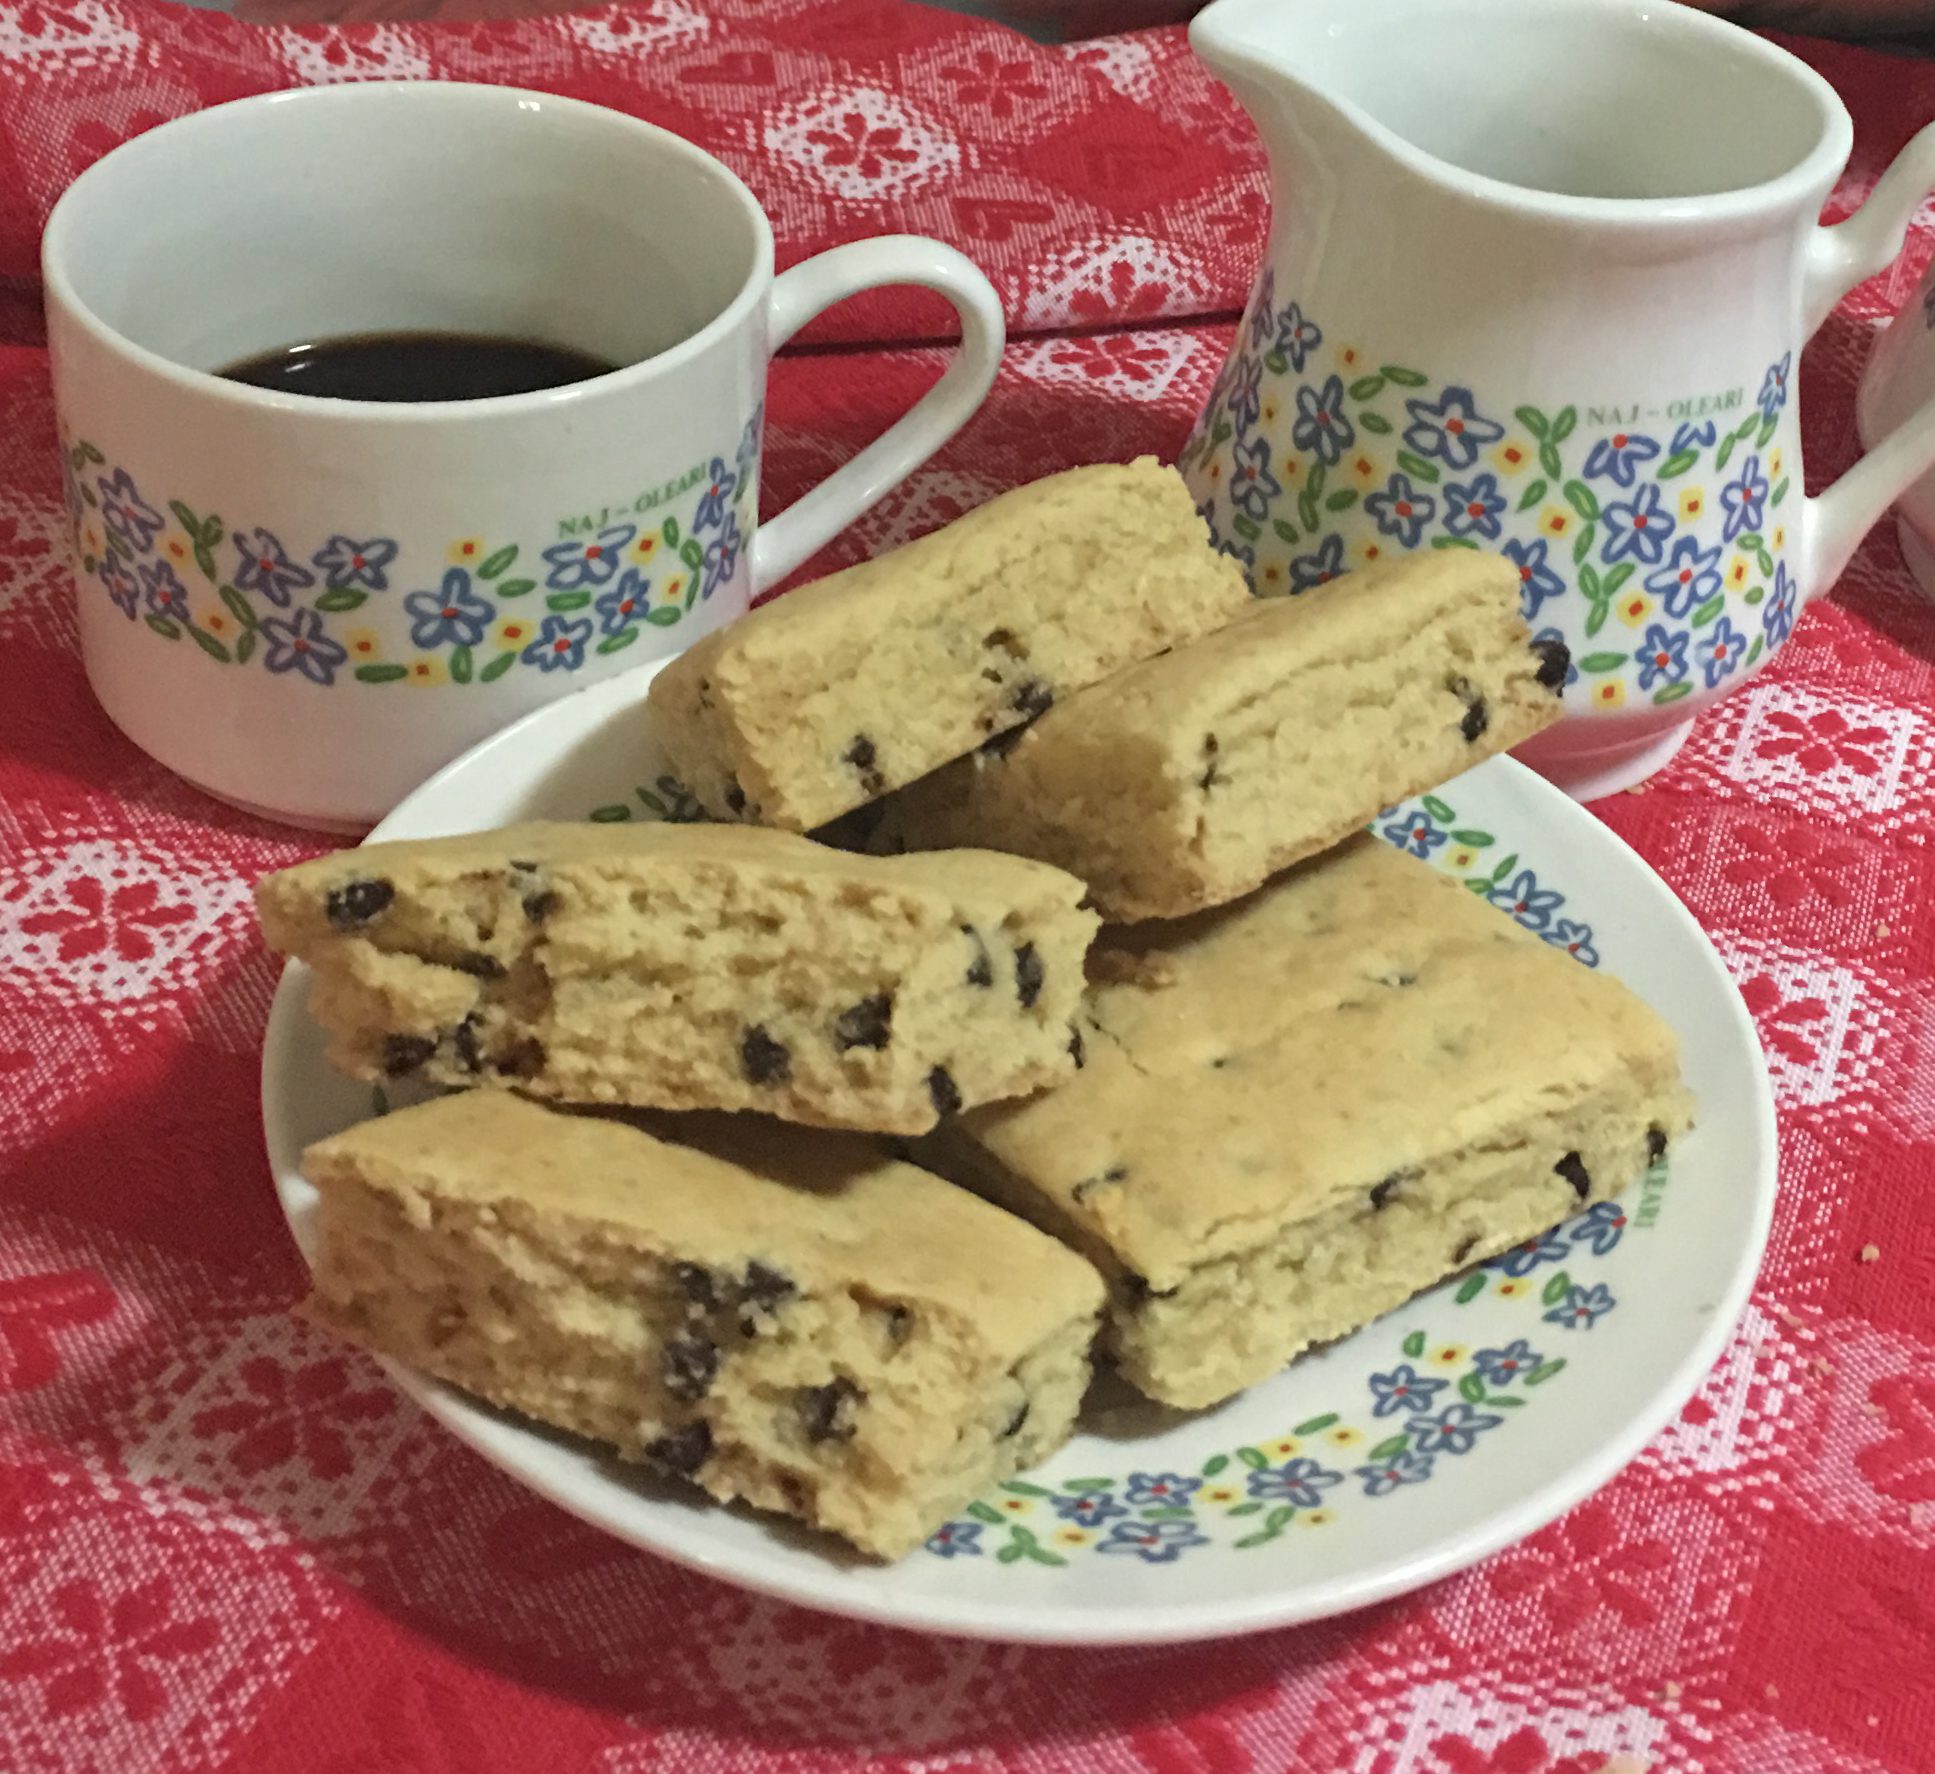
column 1297, row 1078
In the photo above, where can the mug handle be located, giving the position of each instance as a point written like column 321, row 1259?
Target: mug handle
column 1838, row 257
column 815, row 518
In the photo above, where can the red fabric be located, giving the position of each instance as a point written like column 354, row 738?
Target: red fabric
column 224, row 1544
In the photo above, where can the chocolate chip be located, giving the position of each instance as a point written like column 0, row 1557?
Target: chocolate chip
column 403, row 1054
column 1115, row 1173
column 464, row 1039
column 761, row 1294
column 1465, row 1247
column 946, row 1094
column 1555, row 660
column 480, row 966
column 1002, row 640
column 735, row 797
column 900, row 1325
column 797, row 1498
column 1211, row 776
column 1138, row 1289
column 681, row 1451
column 1076, row 1050
column 696, row 1283
column 762, row 1059
column 1384, row 1193
column 1573, row 1169
column 689, row 1365
column 1002, row 744
column 1032, row 699
column 1477, row 716
column 981, row 969
column 828, row 1411
column 355, row 903
column 864, row 757
column 541, row 905
column 1655, row 1144
column 867, row 1024
column 523, row 1059
column 1400, row 978
column 1017, row 1420
column 1029, row 975
column 1219, row 1062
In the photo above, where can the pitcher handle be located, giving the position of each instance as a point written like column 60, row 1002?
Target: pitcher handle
column 1838, row 258
column 1871, row 239
column 816, row 517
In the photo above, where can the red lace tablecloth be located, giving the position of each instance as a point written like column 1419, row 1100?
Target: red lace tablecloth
column 225, row 1544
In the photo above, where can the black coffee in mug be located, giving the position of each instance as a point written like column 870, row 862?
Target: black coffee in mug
column 416, row 366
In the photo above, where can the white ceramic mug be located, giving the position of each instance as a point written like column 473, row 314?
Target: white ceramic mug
column 304, row 605
column 1537, row 280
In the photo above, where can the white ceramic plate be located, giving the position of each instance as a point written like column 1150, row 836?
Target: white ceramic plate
column 1449, row 1429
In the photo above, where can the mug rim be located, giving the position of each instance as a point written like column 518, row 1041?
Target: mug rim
column 59, row 288
column 1217, row 35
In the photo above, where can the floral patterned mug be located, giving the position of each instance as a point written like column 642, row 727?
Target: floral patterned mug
column 304, row 605
column 1535, row 282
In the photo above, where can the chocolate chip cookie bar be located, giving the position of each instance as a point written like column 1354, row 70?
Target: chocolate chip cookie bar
column 1299, row 1110
column 745, row 1309
column 681, row 966
column 849, row 687
column 1186, row 781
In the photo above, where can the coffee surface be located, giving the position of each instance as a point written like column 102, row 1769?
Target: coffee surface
column 416, row 367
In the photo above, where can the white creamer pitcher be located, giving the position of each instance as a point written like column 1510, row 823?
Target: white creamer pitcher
column 1537, row 275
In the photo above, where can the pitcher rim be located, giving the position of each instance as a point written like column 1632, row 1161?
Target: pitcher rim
column 1214, row 42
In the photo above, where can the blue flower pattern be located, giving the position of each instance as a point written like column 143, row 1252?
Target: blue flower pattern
column 588, row 560
column 1634, row 525
column 1454, row 1430
column 126, row 514
column 1637, row 528
column 351, row 565
column 722, row 554
column 1720, row 651
column 1528, row 902
column 1575, row 939
column 1473, row 508
column 300, row 590
column 1402, row 510
column 1154, row 1542
column 1309, row 570
column 1687, row 577
column 560, row 644
column 297, row 644
column 1162, row 1487
column 1403, row 1389
column 1382, row 1477
column 1582, row 1307
column 1537, row 582
column 264, row 567
column 1416, row 834
column 1451, row 429
column 453, row 616
column 1662, row 656
column 1502, row 1367
column 624, row 603
column 1321, row 427
column 1777, row 614
column 1600, row 1227
column 1618, row 458
column 956, row 1539
column 165, row 594
column 1744, row 500
column 1300, row 1481
column 713, row 502
column 120, row 584
column 1089, row 1510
